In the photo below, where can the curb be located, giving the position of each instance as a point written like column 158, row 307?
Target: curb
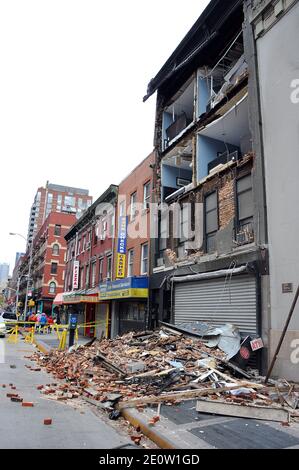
column 149, row 431
column 42, row 347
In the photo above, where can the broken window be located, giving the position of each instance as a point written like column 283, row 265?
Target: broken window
column 211, row 221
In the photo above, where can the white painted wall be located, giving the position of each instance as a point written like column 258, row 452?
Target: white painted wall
column 278, row 61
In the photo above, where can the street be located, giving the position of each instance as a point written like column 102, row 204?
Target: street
column 23, row 427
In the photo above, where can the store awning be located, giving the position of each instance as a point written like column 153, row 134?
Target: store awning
column 58, row 299
column 88, row 296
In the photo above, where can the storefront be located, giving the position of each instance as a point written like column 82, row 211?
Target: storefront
column 218, row 298
column 129, row 304
column 83, row 303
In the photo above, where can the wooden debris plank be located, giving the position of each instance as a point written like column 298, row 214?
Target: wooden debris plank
column 186, row 395
column 241, row 411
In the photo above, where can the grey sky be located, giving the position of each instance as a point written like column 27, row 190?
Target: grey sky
column 73, row 75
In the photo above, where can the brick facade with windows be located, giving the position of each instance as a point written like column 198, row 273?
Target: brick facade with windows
column 90, row 242
column 139, row 184
column 48, row 261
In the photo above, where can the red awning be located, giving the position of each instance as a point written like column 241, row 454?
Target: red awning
column 58, row 299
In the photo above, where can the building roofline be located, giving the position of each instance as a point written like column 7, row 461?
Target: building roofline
column 88, row 214
column 170, row 67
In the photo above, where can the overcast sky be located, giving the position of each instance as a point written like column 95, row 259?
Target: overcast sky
column 73, row 75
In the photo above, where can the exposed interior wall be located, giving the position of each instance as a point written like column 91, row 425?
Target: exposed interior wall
column 278, row 68
column 171, row 173
column 203, row 95
column 207, row 151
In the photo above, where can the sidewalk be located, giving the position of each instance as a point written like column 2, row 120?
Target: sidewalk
column 46, row 342
column 181, row 427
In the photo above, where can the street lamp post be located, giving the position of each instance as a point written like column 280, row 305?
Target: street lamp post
column 29, row 272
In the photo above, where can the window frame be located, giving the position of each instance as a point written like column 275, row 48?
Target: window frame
column 55, row 287
column 53, row 263
column 146, row 199
column 57, row 230
column 131, row 262
column 212, row 233
column 133, row 203
column 142, row 271
column 56, row 252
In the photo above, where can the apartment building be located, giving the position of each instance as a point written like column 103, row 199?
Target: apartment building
column 56, row 198
column 127, row 290
column 48, row 263
column 89, row 262
column 210, row 257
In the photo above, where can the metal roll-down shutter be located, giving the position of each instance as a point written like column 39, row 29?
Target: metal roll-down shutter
column 218, row 301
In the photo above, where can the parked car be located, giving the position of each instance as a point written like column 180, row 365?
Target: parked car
column 2, row 328
column 8, row 317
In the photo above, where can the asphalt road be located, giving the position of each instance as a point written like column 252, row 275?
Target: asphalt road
column 23, row 428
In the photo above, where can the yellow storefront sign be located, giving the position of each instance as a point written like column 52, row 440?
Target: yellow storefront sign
column 124, row 294
column 120, row 266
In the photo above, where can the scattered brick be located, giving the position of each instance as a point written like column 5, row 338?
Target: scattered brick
column 17, row 399
column 47, row 421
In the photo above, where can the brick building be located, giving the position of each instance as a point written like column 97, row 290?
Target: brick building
column 89, row 261
column 128, row 290
column 56, row 198
column 48, row 262
column 210, row 256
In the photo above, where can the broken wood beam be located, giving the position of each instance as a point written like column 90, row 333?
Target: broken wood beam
column 182, row 396
column 108, row 365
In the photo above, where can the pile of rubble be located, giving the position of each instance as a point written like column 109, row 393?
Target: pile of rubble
column 166, row 366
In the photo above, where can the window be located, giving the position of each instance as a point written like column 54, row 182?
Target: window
column 144, row 259
column 84, row 243
column 59, row 202
column 93, row 274
column 57, row 230
column 55, row 249
column 81, row 204
column 69, row 201
column 211, row 221
column 133, row 207
column 78, row 246
column 101, row 269
column 109, row 267
column 122, row 208
column 245, row 200
column 146, row 195
column 130, row 262
column 244, row 232
column 95, row 236
column 52, row 288
column 87, row 277
column 82, row 278
column 163, row 232
column 54, row 267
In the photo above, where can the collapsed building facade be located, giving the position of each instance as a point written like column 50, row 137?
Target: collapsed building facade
column 207, row 165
